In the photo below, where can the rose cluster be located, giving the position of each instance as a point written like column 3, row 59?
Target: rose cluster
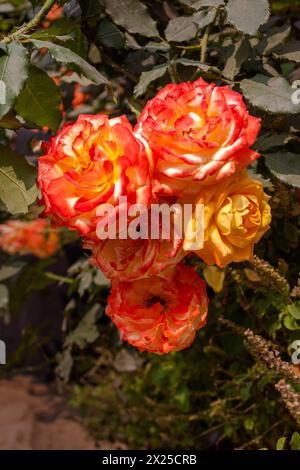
column 29, row 238
column 191, row 145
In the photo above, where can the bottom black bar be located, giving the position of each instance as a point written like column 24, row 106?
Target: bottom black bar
column 138, row 459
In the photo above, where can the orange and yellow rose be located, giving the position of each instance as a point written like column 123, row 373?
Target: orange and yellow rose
column 25, row 238
column 199, row 133
column 92, row 162
column 129, row 259
column 160, row 315
column 236, row 216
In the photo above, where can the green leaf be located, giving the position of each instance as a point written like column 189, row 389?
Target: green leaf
column 100, row 279
column 86, row 332
column 281, row 443
column 107, row 34
column 295, row 441
column 290, row 323
column 86, row 279
column 9, row 271
column 39, row 101
column 153, row 46
column 148, row 77
column 206, row 69
column 91, row 11
column 182, row 28
column 197, row 4
column 185, row 28
column 289, row 51
column 247, row 16
column 64, row 364
column 61, row 29
column 275, row 37
column 285, row 166
column 133, row 16
column 294, row 310
column 66, row 56
column 268, row 142
column 273, row 95
column 211, row 3
column 190, row 62
column 249, row 424
column 207, row 3
column 32, row 278
column 17, row 181
column 238, row 53
column 4, row 296
column 66, row 31
column 13, row 74
column 9, row 121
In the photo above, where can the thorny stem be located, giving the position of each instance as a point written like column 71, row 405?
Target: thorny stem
column 56, row 277
column 204, row 43
column 32, row 23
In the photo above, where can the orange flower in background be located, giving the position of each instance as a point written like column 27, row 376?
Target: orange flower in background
column 132, row 259
column 79, row 96
column 199, row 133
column 92, row 162
column 160, row 315
column 236, row 216
column 33, row 237
column 54, row 14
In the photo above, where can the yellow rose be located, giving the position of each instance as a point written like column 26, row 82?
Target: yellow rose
column 236, row 216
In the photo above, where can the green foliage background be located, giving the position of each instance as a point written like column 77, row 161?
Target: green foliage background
column 229, row 390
